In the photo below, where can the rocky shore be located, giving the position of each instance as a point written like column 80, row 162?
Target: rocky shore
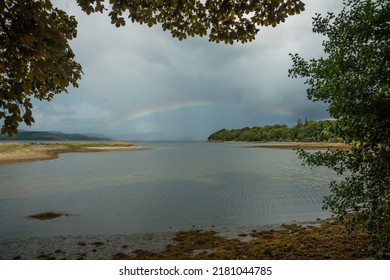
column 317, row 240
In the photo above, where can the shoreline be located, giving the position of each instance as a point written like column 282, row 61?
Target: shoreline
column 325, row 239
column 12, row 152
column 78, row 247
column 301, row 145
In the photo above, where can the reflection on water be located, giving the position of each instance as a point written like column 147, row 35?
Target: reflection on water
column 177, row 185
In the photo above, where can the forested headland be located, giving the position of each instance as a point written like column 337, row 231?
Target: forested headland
column 307, row 131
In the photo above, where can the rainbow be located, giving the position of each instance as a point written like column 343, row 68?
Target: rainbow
column 188, row 104
column 282, row 112
column 150, row 111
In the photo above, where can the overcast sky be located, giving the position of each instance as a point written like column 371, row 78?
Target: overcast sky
column 139, row 83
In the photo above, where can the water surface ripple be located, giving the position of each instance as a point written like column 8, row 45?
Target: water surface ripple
column 177, row 185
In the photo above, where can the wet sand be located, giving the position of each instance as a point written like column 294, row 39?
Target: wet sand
column 106, row 247
column 89, row 247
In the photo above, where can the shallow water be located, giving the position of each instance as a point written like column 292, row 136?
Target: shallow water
column 177, row 185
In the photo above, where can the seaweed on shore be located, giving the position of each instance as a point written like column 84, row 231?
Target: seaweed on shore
column 47, row 215
column 331, row 240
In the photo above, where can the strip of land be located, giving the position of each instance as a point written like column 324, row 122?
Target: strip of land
column 301, row 145
column 18, row 152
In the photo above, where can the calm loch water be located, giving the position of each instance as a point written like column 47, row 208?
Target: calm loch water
column 177, row 185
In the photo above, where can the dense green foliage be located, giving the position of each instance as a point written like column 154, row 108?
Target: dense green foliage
column 307, row 131
column 354, row 79
column 37, row 62
column 222, row 20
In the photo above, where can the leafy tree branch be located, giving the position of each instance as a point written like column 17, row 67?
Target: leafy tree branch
column 354, row 80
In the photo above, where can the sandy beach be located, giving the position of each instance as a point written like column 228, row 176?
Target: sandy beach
column 18, row 152
column 301, row 145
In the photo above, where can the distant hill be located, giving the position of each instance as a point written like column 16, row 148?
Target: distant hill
column 53, row 136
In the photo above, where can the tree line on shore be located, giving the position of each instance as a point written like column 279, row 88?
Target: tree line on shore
column 307, row 131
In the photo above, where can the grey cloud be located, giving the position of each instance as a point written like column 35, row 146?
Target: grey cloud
column 134, row 68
